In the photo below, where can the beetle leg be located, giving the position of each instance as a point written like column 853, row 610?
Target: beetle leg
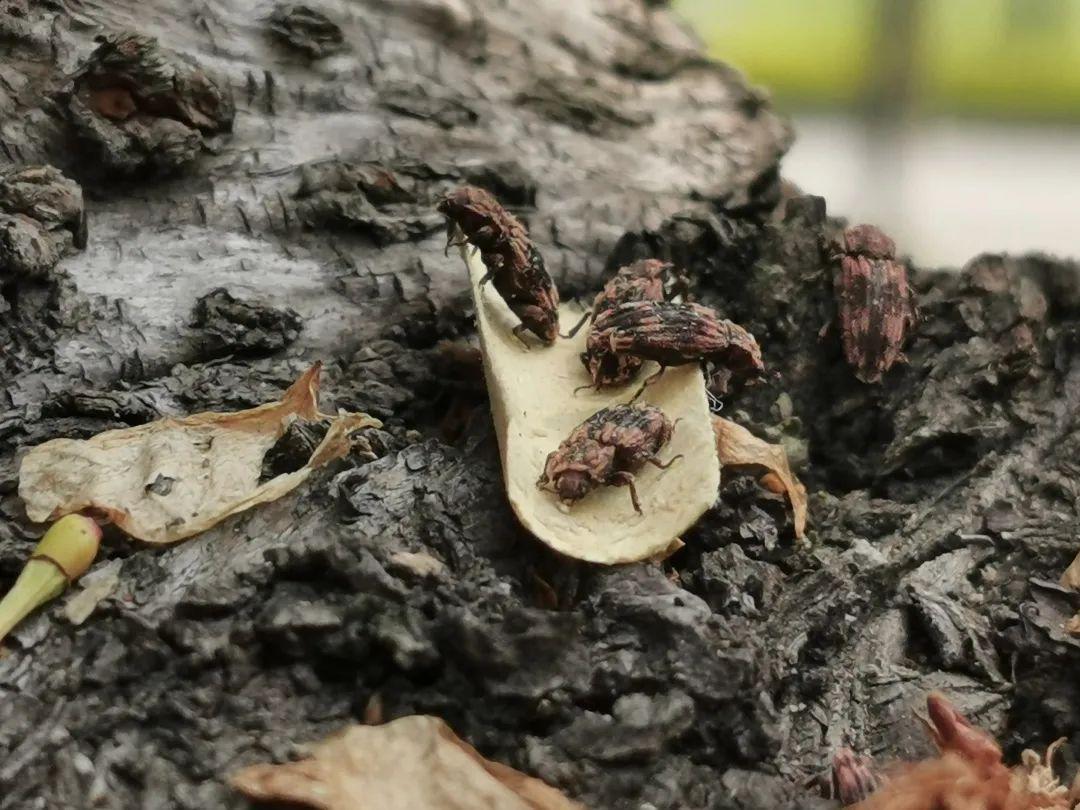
column 517, row 333
column 451, row 243
column 655, row 461
column 452, row 231
column 680, row 288
column 578, row 325
column 488, row 234
column 648, row 381
column 625, row 479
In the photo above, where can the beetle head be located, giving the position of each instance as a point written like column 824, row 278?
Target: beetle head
column 541, row 321
column 607, row 368
column 572, row 485
column 867, row 240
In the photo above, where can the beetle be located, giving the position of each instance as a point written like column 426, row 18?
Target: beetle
column 675, row 334
column 514, row 265
column 605, row 450
column 875, row 305
column 640, row 281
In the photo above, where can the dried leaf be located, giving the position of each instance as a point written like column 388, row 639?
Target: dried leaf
column 1071, row 577
column 954, row 781
column 415, row 763
column 174, row 478
column 738, row 447
column 1035, row 774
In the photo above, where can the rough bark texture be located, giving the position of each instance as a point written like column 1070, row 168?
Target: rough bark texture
column 223, row 258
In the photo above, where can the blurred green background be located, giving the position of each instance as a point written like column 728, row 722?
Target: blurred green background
column 1007, row 58
column 954, row 124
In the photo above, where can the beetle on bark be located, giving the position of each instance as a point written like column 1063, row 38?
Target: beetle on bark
column 875, row 304
column 675, row 334
column 640, row 281
column 514, row 265
column 605, row 450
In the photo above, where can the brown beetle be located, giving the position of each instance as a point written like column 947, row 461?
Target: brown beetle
column 514, row 265
column 875, row 305
column 641, row 281
column 605, row 449
column 676, row 334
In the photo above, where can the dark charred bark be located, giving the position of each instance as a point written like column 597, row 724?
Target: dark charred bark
column 219, row 263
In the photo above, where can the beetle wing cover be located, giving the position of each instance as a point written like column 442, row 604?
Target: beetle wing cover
column 875, row 312
column 674, row 334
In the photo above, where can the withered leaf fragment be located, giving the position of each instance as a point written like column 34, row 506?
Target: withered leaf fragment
column 514, row 265
column 738, row 447
column 968, row 773
column 174, row 478
column 605, row 449
column 675, row 334
column 1071, row 579
column 641, row 281
column 414, row 763
column 875, row 305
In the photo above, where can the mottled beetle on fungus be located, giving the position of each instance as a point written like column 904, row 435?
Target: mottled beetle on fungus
column 641, row 281
column 605, row 449
column 675, row 334
column 514, row 265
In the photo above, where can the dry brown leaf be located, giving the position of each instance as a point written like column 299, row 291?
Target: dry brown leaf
column 1071, row 577
column 738, row 447
column 415, row 763
column 969, row 773
column 174, row 478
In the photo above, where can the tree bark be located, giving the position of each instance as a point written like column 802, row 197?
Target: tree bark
column 220, row 263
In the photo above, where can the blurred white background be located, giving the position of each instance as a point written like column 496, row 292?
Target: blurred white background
column 947, row 190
